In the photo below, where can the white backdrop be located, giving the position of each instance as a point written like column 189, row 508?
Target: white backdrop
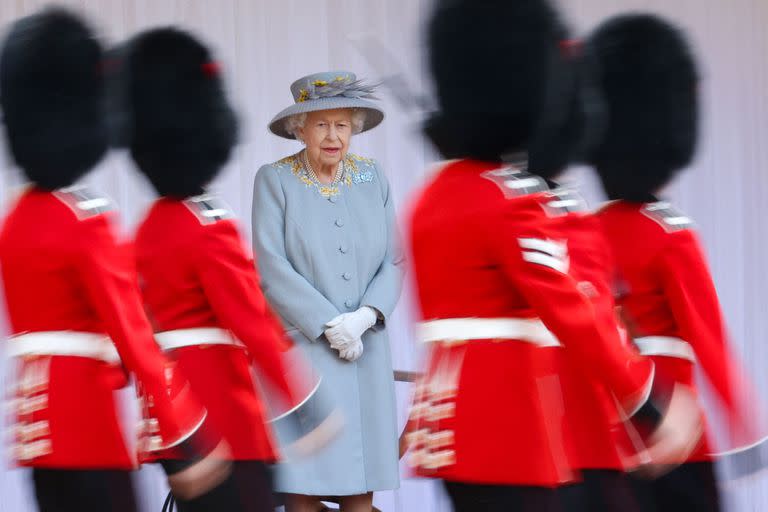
column 266, row 44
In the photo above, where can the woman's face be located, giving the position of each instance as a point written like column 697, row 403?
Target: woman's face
column 326, row 134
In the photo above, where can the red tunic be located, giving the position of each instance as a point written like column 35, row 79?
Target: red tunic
column 195, row 274
column 665, row 290
column 484, row 246
column 593, row 421
column 64, row 275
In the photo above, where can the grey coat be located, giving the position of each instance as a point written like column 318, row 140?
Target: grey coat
column 323, row 251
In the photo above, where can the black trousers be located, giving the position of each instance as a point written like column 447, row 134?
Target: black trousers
column 600, row 490
column 501, row 498
column 70, row 490
column 691, row 487
column 248, row 489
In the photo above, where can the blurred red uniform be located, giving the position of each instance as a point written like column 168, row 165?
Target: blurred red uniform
column 669, row 301
column 494, row 286
column 597, row 435
column 76, row 313
column 203, row 296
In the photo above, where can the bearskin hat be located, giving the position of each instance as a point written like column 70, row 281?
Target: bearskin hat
column 53, row 97
column 648, row 79
column 490, row 61
column 573, row 117
column 179, row 126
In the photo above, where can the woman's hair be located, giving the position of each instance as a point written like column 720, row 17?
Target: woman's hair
column 296, row 121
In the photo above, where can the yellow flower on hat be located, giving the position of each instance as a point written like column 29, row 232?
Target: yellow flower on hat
column 303, row 96
column 340, row 78
column 319, row 83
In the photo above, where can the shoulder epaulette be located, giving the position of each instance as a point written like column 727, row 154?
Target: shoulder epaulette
column 85, row 203
column 516, row 183
column 563, row 201
column 208, row 208
column 667, row 216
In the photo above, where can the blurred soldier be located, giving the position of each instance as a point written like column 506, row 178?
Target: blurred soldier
column 650, row 84
column 71, row 293
column 200, row 287
column 491, row 255
column 599, row 445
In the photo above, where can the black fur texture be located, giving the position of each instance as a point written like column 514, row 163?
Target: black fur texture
column 573, row 118
column 52, row 95
column 490, row 61
column 180, row 127
column 648, row 79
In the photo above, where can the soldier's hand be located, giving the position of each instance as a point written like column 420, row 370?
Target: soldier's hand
column 677, row 435
column 318, row 438
column 202, row 476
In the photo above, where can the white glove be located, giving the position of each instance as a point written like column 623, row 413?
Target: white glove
column 346, row 328
column 353, row 351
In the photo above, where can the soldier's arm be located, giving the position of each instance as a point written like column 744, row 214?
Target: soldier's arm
column 691, row 294
column 537, row 262
column 110, row 281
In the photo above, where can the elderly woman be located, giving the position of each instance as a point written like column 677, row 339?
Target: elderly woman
column 325, row 238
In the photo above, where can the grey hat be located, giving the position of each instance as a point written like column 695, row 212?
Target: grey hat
column 327, row 91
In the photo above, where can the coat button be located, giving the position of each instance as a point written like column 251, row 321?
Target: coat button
column 333, row 199
column 349, row 304
column 339, row 222
column 343, row 249
column 347, row 276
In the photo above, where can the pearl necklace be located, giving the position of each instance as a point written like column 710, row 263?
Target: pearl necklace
column 313, row 175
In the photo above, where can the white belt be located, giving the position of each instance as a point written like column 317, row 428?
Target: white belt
column 179, row 338
column 665, row 346
column 64, row 343
column 530, row 330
